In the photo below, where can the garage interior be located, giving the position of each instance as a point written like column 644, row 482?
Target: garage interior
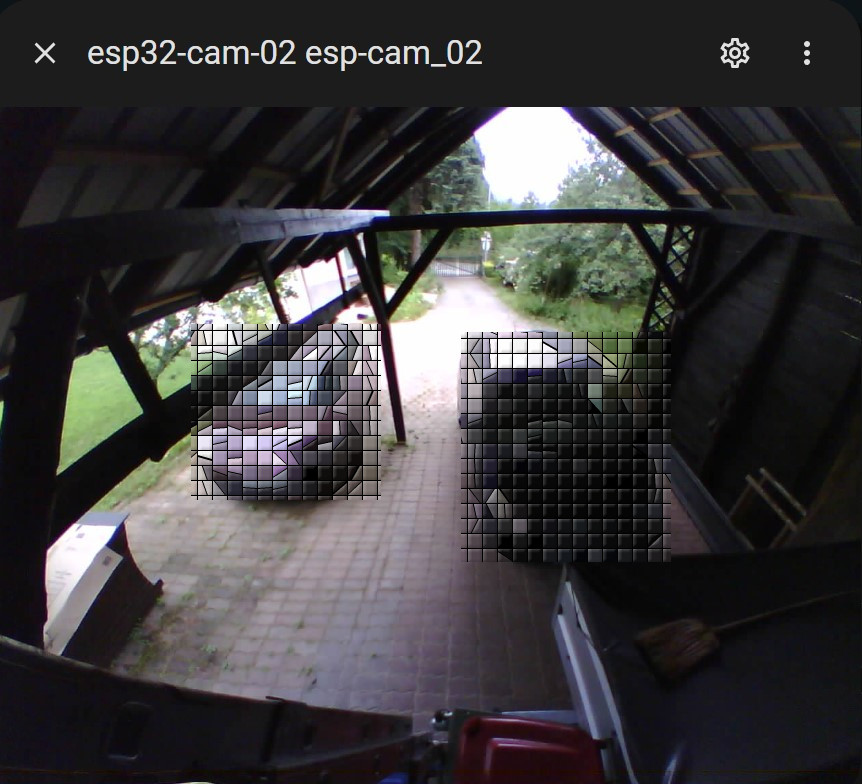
column 112, row 219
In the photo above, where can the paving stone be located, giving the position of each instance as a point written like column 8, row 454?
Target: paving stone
column 384, row 575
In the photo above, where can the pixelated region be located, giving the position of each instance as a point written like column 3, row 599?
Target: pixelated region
column 563, row 446
column 285, row 412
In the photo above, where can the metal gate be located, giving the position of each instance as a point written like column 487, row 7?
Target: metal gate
column 456, row 268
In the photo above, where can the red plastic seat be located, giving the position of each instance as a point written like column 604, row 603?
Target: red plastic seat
column 510, row 750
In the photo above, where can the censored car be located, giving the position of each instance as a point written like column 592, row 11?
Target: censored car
column 562, row 445
column 288, row 416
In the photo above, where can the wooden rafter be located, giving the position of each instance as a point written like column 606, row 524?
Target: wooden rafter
column 676, row 159
column 716, row 134
column 814, row 143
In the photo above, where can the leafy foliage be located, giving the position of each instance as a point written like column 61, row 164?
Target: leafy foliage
column 601, row 261
column 161, row 342
column 456, row 184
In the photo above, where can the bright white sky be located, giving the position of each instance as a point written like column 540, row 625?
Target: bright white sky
column 530, row 149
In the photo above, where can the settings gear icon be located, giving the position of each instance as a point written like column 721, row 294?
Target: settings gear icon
column 734, row 53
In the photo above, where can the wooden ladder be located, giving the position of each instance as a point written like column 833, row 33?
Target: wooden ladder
column 787, row 509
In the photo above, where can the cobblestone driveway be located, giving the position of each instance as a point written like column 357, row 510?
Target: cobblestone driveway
column 360, row 603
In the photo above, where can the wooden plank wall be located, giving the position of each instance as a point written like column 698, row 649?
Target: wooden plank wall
column 764, row 373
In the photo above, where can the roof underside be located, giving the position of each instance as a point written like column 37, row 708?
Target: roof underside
column 65, row 164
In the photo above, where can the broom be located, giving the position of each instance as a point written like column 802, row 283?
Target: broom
column 674, row 649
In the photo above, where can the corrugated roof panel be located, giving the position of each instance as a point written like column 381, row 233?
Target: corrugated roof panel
column 303, row 135
column 183, row 183
column 149, row 158
column 53, row 190
column 92, row 124
column 237, row 121
column 152, row 187
column 101, row 190
column 719, row 170
column 199, row 129
column 150, row 126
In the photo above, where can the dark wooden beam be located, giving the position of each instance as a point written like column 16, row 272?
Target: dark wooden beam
column 659, row 260
column 105, row 466
column 416, row 271
column 335, row 153
column 30, row 436
column 79, row 247
column 747, row 261
column 649, row 311
column 29, row 137
column 88, row 479
column 736, row 155
column 824, row 155
column 744, row 392
column 375, row 295
column 789, row 224
column 818, row 463
column 303, row 194
column 372, row 256
column 271, row 288
column 115, row 335
column 622, row 149
column 216, row 188
column 677, row 160
column 452, row 132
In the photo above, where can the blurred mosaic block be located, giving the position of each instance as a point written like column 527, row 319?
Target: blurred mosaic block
column 285, row 412
column 564, row 441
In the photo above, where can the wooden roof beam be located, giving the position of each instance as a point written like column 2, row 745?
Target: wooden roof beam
column 718, row 136
column 630, row 156
column 821, row 152
column 678, row 161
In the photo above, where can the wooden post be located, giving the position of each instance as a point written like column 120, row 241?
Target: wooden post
column 30, row 452
column 375, row 295
column 272, row 289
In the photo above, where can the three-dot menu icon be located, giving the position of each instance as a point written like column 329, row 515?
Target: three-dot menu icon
column 806, row 52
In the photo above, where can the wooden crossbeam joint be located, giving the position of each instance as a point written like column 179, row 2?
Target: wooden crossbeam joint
column 106, row 321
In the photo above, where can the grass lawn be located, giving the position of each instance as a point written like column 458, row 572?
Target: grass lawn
column 575, row 315
column 414, row 304
column 99, row 403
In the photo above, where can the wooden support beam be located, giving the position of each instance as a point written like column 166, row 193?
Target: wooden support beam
column 30, row 436
column 78, row 247
column 303, row 194
column 747, row 261
column 337, row 258
column 335, row 153
column 375, row 295
column 721, row 139
column 818, row 463
column 820, row 149
column 106, row 465
column 107, row 322
column 416, row 271
column 659, row 261
column 379, row 182
column 217, row 187
column 676, row 159
column 744, row 392
column 372, row 255
column 88, row 479
column 272, row 289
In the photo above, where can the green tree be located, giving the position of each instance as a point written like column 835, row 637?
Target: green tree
column 602, row 261
column 456, row 184
column 162, row 341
